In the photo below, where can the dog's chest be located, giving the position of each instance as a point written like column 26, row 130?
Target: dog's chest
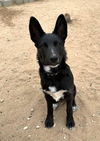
column 52, row 89
column 56, row 95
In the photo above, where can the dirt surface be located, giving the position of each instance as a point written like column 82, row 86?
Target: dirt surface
column 22, row 104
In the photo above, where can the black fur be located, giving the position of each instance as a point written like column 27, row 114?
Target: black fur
column 50, row 52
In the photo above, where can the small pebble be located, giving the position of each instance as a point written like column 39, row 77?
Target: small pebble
column 37, row 127
column 2, row 100
column 68, row 18
column 8, row 40
column 64, row 137
column 25, row 128
column 28, row 118
column 13, row 136
column 30, row 115
column 93, row 115
column 54, row 125
column 32, row 110
column 29, row 136
column 0, row 112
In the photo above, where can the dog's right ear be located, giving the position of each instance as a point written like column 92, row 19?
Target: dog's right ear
column 35, row 30
column 61, row 27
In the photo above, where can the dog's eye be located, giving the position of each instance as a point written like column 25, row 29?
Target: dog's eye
column 55, row 43
column 45, row 45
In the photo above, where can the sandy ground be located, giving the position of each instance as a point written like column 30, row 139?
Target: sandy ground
column 22, row 103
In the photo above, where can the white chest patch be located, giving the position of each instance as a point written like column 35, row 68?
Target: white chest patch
column 47, row 68
column 57, row 95
column 52, row 89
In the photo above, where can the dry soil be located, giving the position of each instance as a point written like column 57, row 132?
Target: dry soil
column 22, row 104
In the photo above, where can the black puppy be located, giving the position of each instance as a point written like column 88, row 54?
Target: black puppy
column 55, row 74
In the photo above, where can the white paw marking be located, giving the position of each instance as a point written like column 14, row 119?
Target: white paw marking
column 55, row 106
column 54, row 125
column 74, row 108
column 72, row 128
column 52, row 89
column 47, row 68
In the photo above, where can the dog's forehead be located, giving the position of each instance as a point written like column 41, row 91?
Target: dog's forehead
column 50, row 38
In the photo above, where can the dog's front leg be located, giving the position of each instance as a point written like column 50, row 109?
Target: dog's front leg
column 69, row 120
column 49, row 122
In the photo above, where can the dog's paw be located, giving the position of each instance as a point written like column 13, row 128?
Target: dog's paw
column 49, row 122
column 70, row 124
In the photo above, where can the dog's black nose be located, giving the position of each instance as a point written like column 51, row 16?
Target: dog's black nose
column 53, row 59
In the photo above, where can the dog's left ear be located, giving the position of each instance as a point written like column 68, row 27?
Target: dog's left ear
column 61, row 27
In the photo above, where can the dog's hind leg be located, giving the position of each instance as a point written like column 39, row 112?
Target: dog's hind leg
column 74, row 106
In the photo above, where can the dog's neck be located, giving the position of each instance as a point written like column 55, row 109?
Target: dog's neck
column 51, row 71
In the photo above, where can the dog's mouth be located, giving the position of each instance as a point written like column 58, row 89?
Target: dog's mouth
column 48, row 68
column 54, row 66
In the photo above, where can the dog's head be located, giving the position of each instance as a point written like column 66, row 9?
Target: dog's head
column 50, row 46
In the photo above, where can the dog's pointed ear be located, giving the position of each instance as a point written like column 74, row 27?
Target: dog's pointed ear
column 61, row 27
column 35, row 29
